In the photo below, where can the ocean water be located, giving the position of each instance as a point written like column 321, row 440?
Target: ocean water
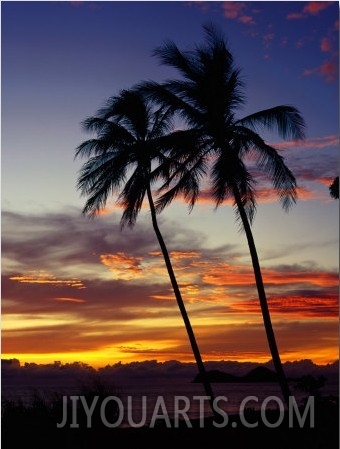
column 191, row 396
column 143, row 401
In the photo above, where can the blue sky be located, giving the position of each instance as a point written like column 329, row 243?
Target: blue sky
column 60, row 62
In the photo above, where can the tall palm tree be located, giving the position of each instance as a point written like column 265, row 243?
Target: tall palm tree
column 126, row 158
column 207, row 97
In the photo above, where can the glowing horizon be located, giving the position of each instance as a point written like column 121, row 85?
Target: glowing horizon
column 102, row 359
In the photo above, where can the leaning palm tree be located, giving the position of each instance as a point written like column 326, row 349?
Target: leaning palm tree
column 207, row 97
column 126, row 158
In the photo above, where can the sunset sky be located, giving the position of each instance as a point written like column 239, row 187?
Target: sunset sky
column 76, row 289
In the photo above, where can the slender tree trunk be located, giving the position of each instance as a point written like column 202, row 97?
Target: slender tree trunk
column 263, row 300
column 190, row 332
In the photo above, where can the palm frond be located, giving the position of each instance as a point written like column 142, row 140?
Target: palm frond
column 229, row 173
column 271, row 164
column 130, row 132
column 92, row 147
column 286, row 120
column 162, row 123
column 132, row 195
column 107, row 129
column 169, row 54
column 100, row 177
column 184, row 178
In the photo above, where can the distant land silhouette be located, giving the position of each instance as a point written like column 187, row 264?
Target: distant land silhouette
column 15, row 373
column 258, row 374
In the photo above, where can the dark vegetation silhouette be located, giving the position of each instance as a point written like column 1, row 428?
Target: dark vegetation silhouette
column 34, row 426
column 33, row 423
column 125, row 159
column 207, row 97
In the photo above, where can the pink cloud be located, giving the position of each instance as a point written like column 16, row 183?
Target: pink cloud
column 312, row 8
column 267, row 39
column 328, row 70
column 232, row 10
column 248, row 20
column 294, row 15
column 235, row 11
column 76, row 4
column 90, row 5
column 313, row 142
column 326, row 45
column 327, row 180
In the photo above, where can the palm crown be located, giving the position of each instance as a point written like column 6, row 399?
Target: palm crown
column 130, row 138
column 207, row 98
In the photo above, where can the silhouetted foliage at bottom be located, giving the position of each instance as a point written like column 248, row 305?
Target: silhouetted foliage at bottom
column 34, row 426
column 311, row 385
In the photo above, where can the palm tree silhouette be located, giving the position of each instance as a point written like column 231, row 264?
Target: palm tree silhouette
column 207, row 97
column 126, row 158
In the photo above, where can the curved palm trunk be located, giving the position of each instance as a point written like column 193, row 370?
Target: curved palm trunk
column 263, row 300
column 190, row 332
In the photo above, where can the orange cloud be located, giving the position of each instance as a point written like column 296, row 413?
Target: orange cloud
column 43, row 277
column 185, row 254
column 299, row 306
column 264, row 195
column 227, row 274
column 70, row 300
column 327, row 180
column 121, row 265
column 305, row 194
column 155, row 253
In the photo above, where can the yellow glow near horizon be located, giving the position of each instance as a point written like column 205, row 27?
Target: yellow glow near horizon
column 110, row 356
column 19, row 322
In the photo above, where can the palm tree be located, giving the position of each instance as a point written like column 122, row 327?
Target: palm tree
column 207, row 97
column 131, row 138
